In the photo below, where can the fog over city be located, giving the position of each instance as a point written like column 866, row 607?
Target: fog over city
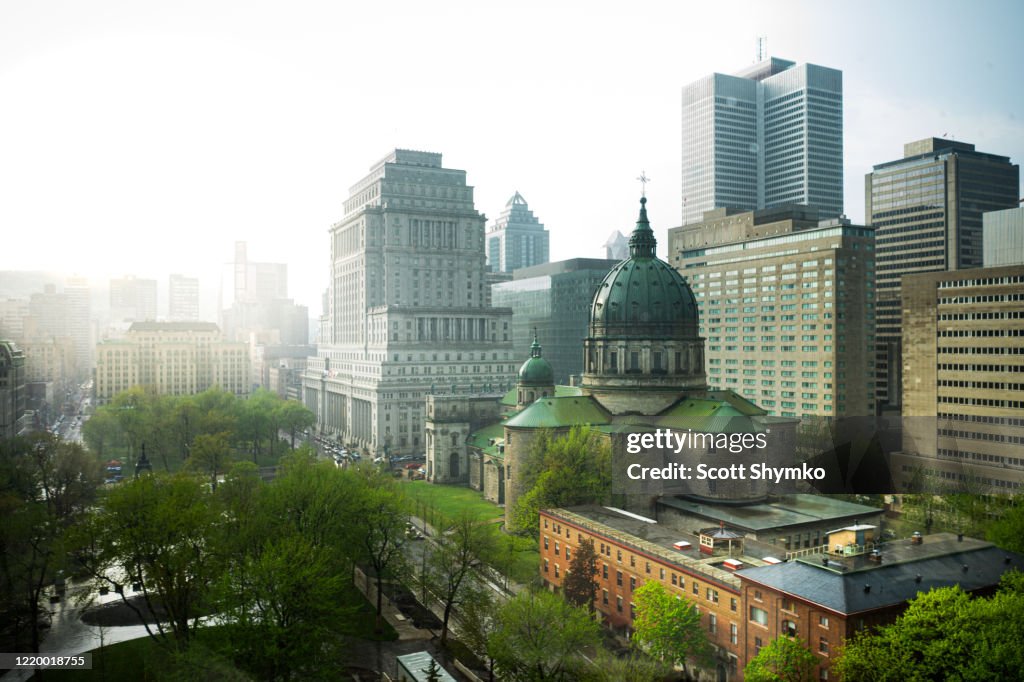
column 146, row 138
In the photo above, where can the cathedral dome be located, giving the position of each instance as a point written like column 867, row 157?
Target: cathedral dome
column 643, row 296
column 536, row 371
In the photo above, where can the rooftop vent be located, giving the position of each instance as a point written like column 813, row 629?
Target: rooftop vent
column 876, row 556
column 964, row 567
column 916, row 538
column 917, row 578
column 867, row 588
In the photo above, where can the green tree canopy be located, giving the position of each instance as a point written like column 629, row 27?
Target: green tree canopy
column 540, row 637
column 944, row 635
column 784, row 659
column 667, row 626
column 563, row 470
column 579, row 586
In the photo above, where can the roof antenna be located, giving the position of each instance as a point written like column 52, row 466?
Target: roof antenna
column 762, row 49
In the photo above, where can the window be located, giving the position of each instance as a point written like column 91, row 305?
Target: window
column 545, row 542
column 648, row 567
column 618, row 578
column 604, row 597
column 618, row 604
column 674, row 581
column 712, row 595
column 823, row 621
column 604, row 571
column 556, row 570
column 758, row 643
column 788, row 626
column 759, row 616
column 556, row 548
column 545, row 565
column 823, row 646
column 632, row 583
column 712, row 623
column 789, row 605
column 632, row 561
column 733, row 633
column 567, row 553
column 732, row 604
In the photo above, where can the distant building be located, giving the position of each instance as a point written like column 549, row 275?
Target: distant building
column 14, row 419
column 183, row 299
column 617, row 247
column 175, row 358
column 767, row 136
column 132, row 299
column 408, row 315
column 787, row 307
column 1003, row 237
column 927, row 210
column 80, row 324
column 255, row 307
column 553, row 300
column 963, row 392
column 517, row 239
column 279, row 369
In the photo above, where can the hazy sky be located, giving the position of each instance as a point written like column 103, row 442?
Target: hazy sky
column 145, row 138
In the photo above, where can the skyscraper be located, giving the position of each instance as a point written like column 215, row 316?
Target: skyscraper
column 769, row 135
column 927, row 209
column 517, row 239
column 132, row 299
column 407, row 310
column 183, row 299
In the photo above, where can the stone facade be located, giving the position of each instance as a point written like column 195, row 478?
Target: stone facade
column 176, row 358
column 407, row 311
column 963, row 397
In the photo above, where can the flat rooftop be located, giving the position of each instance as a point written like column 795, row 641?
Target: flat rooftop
column 654, row 539
column 791, row 510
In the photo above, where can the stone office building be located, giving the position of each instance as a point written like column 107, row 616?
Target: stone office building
column 963, row 388
column 408, row 314
column 787, row 307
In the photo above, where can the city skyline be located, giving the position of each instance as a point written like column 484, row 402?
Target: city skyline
column 254, row 131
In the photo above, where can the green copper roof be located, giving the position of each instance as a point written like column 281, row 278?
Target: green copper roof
column 481, row 439
column 536, row 371
column 509, row 400
column 643, row 294
column 549, row 413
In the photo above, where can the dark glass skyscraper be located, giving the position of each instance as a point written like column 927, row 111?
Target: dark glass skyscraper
column 926, row 209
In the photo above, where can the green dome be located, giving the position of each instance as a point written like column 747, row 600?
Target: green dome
column 643, row 296
column 536, row 371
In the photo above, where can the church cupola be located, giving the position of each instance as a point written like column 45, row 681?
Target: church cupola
column 536, row 377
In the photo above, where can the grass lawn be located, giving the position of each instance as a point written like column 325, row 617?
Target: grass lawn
column 440, row 503
column 514, row 555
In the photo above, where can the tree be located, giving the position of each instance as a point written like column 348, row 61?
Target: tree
column 540, row 637
column 635, row 666
column 46, row 486
column 944, row 634
column 478, row 621
column 211, row 455
column 159, row 532
column 579, row 586
column 1008, row 531
column 668, row 627
column 784, row 659
column 294, row 417
column 459, row 548
column 378, row 513
column 563, row 470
